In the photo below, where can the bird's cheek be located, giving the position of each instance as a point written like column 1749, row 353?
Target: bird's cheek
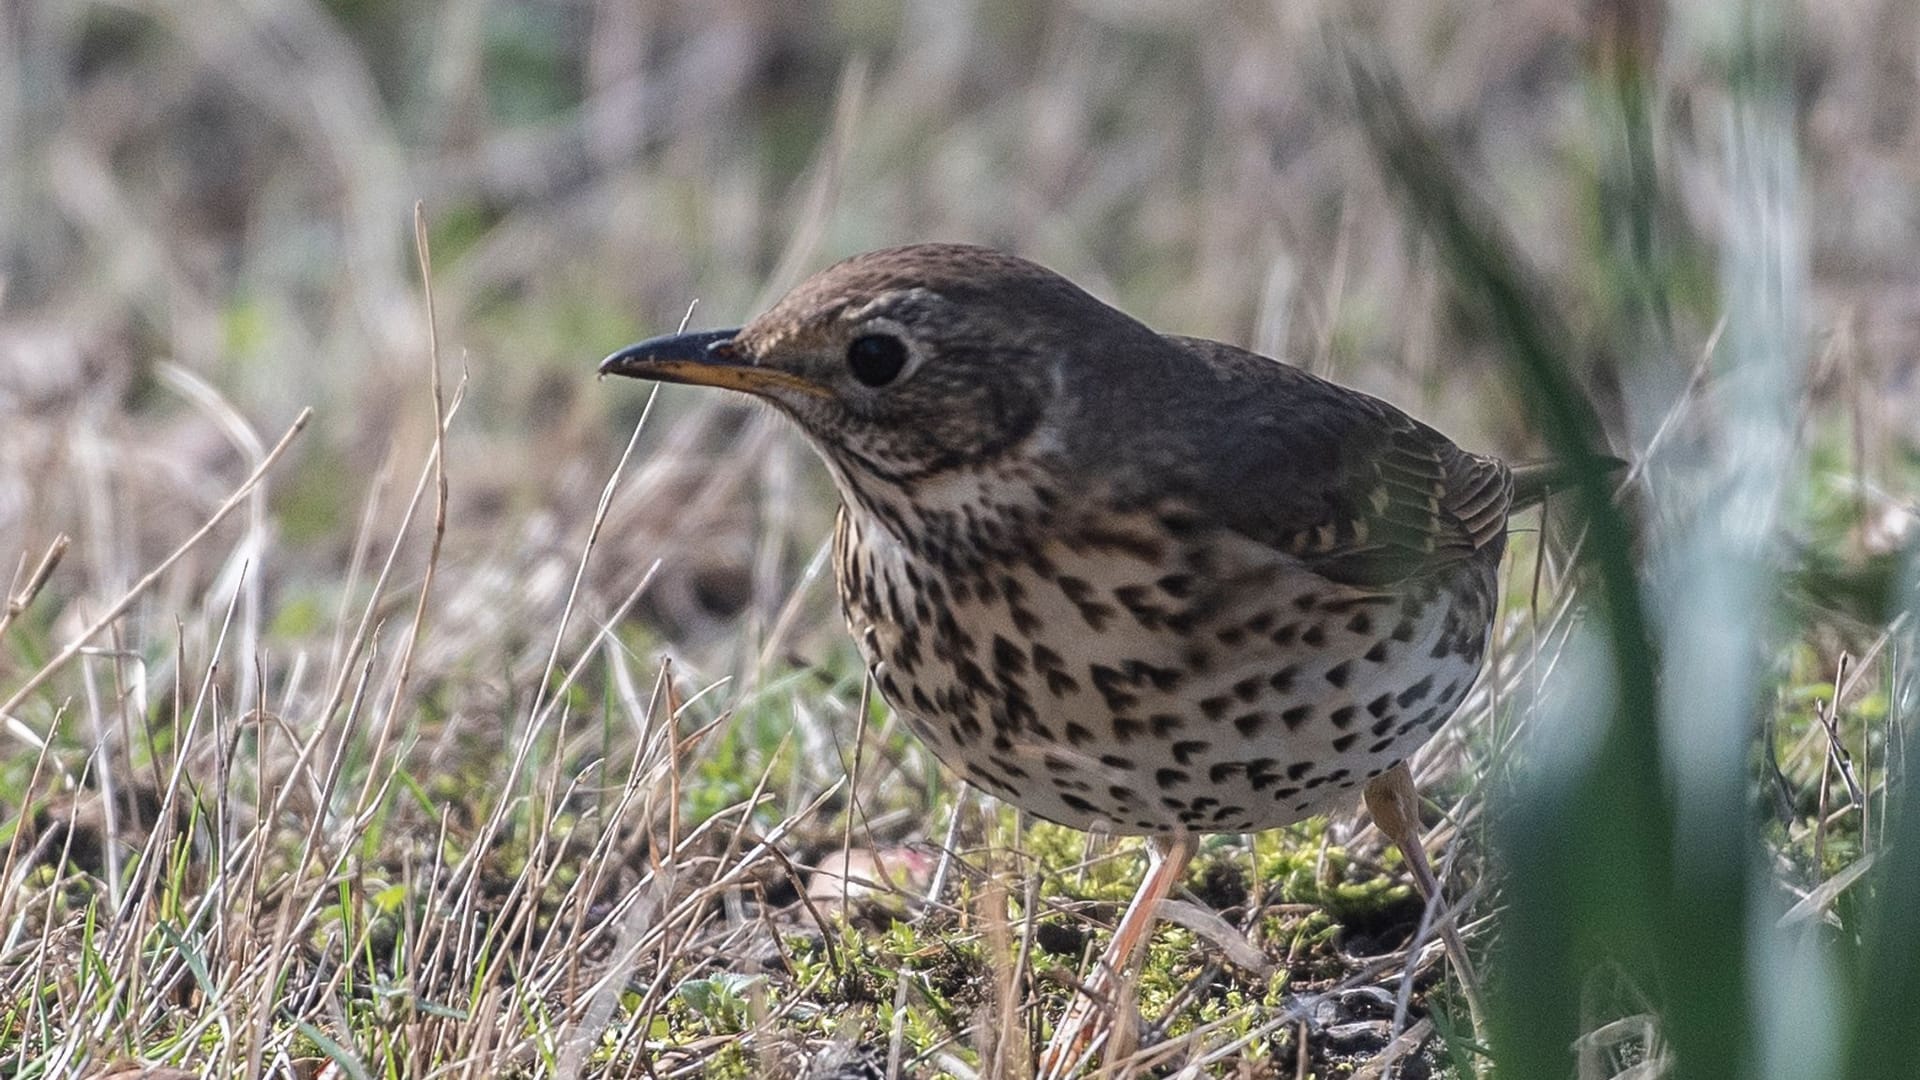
column 814, row 412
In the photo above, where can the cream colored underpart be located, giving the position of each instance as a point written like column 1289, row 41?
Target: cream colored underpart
column 1210, row 752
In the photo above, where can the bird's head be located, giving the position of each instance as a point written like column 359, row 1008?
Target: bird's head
column 904, row 364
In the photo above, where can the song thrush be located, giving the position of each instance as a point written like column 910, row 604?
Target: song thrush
column 1121, row 579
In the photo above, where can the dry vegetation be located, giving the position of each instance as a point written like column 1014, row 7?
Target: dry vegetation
column 499, row 724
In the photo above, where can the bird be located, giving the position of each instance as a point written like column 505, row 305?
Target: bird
column 1123, row 580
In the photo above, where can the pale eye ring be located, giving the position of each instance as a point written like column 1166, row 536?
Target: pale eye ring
column 876, row 359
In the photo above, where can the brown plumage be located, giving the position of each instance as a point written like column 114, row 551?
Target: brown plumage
column 1148, row 583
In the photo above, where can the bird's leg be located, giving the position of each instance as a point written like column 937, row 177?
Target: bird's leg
column 1091, row 1020
column 1395, row 805
column 1167, row 861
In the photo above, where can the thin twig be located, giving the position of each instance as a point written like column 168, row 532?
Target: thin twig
column 441, row 418
column 36, row 581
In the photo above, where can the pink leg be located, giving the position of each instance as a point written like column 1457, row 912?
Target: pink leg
column 1395, row 806
column 1090, row 1023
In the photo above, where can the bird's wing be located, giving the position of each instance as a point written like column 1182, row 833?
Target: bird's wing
column 1353, row 487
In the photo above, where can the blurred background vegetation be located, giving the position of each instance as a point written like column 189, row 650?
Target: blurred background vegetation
column 1706, row 216
column 228, row 191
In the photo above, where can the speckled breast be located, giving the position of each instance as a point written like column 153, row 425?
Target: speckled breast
column 1128, row 678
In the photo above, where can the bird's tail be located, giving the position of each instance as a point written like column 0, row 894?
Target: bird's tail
column 1533, row 481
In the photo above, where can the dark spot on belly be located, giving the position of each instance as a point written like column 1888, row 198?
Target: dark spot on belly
column 908, row 654
column 1164, row 679
column 1415, row 692
column 972, row 677
column 981, row 776
column 1225, row 769
column 1045, row 659
column 1113, row 687
column 1008, row 658
column 1139, row 602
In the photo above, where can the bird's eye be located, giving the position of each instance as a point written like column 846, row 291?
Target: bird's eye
column 876, row 359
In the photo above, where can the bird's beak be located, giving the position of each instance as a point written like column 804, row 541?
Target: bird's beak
column 706, row 358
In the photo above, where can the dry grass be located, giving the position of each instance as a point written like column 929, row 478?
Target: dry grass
column 500, row 723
